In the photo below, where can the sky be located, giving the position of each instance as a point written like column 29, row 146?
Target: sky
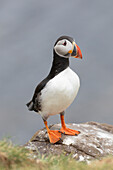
column 28, row 31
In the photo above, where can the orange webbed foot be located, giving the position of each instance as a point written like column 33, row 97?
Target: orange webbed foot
column 68, row 131
column 54, row 136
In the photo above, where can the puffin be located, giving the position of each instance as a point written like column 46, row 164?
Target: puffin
column 58, row 90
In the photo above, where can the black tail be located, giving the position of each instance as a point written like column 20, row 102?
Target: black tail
column 30, row 105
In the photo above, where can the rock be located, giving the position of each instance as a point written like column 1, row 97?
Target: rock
column 94, row 141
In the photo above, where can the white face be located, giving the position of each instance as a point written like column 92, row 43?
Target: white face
column 63, row 47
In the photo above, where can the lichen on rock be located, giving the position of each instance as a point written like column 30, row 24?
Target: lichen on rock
column 94, row 141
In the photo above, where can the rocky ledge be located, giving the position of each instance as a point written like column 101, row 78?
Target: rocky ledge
column 94, row 141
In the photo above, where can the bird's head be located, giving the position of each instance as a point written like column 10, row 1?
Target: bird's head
column 66, row 47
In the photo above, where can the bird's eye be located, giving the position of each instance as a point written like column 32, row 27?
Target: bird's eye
column 65, row 43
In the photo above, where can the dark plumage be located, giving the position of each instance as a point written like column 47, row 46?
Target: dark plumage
column 57, row 91
column 59, row 64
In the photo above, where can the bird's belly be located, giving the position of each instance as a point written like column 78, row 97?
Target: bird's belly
column 59, row 92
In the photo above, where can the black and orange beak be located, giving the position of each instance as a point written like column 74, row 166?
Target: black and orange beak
column 76, row 52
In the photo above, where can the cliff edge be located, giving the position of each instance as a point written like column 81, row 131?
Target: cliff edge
column 94, row 141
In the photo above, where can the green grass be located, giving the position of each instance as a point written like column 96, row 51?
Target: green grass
column 16, row 157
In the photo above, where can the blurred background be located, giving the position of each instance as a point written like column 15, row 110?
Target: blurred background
column 28, row 31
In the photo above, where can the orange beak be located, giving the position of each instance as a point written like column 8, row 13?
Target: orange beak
column 76, row 52
column 79, row 53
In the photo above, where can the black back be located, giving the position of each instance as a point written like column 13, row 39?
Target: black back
column 59, row 64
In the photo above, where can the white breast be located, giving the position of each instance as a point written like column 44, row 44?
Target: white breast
column 59, row 92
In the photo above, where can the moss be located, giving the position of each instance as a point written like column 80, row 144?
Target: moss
column 16, row 157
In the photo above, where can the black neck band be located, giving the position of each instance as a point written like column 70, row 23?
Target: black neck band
column 59, row 64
